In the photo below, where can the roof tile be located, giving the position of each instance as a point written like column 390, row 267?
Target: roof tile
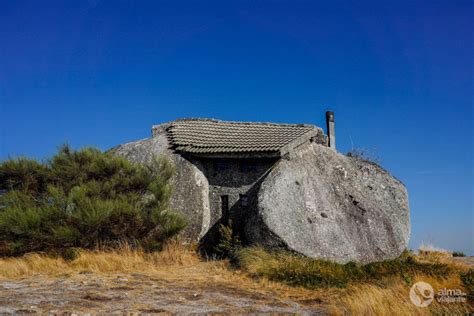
column 212, row 136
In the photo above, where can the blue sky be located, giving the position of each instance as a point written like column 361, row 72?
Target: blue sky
column 398, row 76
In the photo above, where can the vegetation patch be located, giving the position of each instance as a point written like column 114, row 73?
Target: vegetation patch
column 228, row 243
column 179, row 268
column 84, row 198
column 310, row 273
column 467, row 280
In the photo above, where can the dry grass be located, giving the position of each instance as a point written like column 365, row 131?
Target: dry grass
column 123, row 259
column 384, row 294
column 367, row 299
column 182, row 266
column 443, row 257
column 393, row 299
column 430, row 251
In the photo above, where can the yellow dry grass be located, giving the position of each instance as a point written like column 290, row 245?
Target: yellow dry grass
column 124, row 259
column 442, row 257
column 393, row 299
column 389, row 296
column 181, row 265
column 434, row 254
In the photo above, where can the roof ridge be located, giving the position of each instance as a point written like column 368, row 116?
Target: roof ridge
column 197, row 119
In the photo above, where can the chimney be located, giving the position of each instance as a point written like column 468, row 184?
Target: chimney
column 330, row 129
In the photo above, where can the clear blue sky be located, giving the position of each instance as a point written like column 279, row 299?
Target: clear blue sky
column 399, row 77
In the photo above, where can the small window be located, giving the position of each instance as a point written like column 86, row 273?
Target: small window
column 244, row 200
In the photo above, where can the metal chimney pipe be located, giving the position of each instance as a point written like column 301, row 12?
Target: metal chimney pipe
column 330, row 129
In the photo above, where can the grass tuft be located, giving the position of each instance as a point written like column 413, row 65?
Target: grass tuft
column 310, row 273
column 121, row 259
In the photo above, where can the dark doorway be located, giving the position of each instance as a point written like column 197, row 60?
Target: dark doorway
column 225, row 208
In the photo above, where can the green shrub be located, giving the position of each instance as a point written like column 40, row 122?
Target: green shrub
column 296, row 270
column 228, row 243
column 28, row 176
column 458, row 254
column 81, row 198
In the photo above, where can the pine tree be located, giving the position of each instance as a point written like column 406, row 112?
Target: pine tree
column 82, row 198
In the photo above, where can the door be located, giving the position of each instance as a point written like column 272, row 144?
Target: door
column 225, row 208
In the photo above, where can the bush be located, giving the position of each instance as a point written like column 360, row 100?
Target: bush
column 458, row 254
column 82, row 198
column 228, row 242
column 296, row 270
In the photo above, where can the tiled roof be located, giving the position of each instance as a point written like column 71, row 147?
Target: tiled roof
column 204, row 136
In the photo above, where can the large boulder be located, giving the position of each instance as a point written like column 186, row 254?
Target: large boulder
column 322, row 204
column 190, row 195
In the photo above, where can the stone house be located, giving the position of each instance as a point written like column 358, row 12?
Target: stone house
column 280, row 185
column 235, row 157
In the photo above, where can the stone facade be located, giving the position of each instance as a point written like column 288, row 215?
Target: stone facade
column 233, row 190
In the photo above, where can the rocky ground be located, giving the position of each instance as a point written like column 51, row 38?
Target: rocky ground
column 466, row 260
column 135, row 293
column 194, row 288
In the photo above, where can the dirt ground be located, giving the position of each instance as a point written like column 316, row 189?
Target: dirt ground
column 136, row 293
